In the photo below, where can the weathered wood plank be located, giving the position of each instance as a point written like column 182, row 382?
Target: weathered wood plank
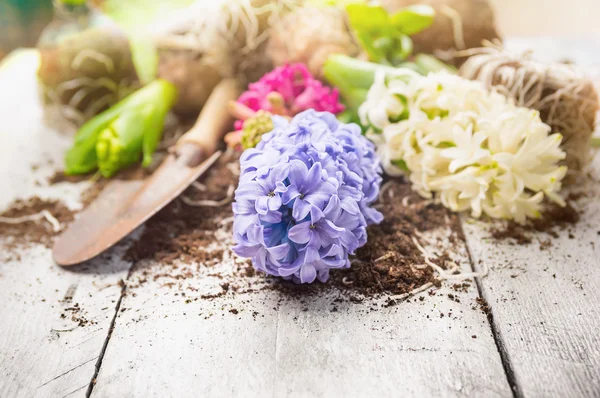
column 435, row 347
column 545, row 300
column 275, row 344
column 169, row 342
column 42, row 354
column 546, row 303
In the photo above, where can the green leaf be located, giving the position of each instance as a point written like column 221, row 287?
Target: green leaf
column 368, row 19
column 433, row 113
column 135, row 17
column 346, row 72
column 384, row 44
column 145, row 57
column 346, row 116
column 413, row 19
column 156, row 122
column 353, row 77
column 73, row 2
column 432, row 64
column 405, row 48
column 81, row 157
column 401, row 164
column 370, row 46
column 117, row 136
column 120, row 144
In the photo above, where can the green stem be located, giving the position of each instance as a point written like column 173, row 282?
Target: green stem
column 352, row 77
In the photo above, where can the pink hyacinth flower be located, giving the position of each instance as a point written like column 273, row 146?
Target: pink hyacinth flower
column 287, row 91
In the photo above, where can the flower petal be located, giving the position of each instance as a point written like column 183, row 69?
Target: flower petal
column 291, row 194
column 297, row 173
column 280, row 251
column 313, row 178
column 308, row 273
column 301, row 209
column 300, row 233
column 262, row 205
column 274, row 202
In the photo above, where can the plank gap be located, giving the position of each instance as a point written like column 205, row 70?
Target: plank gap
column 106, row 341
column 504, row 356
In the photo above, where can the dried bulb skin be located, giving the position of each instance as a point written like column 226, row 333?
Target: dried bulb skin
column 473, row 20
column 309, row 35
column 566, row 99
column 249, row 24
column 216, row 39
column 193, row 78
column 85, row 72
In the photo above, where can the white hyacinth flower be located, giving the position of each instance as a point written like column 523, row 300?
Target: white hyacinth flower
column 386, row 102
column 469, row 148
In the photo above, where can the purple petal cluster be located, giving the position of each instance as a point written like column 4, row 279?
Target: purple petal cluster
column 304, row 198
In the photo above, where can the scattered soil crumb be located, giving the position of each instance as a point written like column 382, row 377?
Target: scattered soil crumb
column 545, row 244
column 461, row 287
column 554, row 219
column 77, row 315
column 483, row 305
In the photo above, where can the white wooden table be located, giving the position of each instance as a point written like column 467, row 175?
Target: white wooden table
column 541, row 339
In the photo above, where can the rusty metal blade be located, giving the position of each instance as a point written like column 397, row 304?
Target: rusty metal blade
column 124, row 205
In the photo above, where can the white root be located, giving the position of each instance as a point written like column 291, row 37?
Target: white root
column 199, row 186
column 457, row 29
column 386, row 256
column 211, row 203
column 211, row 30
column 44, row 214
column 309, row 35
column 383, row 190
column 412, row 292
column 170, row 138
column 93, row 55
column 234, row 168
column 450, row 273
column 103, row 102
column 79, row 89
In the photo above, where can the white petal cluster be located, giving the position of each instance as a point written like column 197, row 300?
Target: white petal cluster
column 467, row 147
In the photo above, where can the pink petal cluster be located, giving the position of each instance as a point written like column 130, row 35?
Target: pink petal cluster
column 288, row 90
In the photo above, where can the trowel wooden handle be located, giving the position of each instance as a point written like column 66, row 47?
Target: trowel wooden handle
column 214, row 120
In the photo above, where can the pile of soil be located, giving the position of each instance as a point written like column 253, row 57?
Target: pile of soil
column 182, row 232
column 554, row 218
column 180, row 235
column 39, row 231
column 386, row 264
